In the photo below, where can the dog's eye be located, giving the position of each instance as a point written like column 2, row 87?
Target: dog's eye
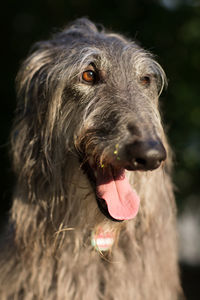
column 145, row 80
column 89, row 76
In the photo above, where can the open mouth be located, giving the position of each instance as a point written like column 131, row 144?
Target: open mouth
column 116, row 198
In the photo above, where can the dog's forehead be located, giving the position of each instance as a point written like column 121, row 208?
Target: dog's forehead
column 108, row 50
column 114, row 55
column 111, row 53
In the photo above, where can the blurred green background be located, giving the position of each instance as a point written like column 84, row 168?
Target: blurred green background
column 168, row 28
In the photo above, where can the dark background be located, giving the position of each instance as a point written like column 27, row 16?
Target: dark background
column 168, row 28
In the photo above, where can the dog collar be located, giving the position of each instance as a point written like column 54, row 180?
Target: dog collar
column 102, row 240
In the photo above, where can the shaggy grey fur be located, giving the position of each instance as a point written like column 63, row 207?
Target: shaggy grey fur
column 63, row 125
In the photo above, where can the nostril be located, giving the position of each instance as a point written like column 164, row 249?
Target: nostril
column 146, row 164
column 143, row 163
column 140, row 161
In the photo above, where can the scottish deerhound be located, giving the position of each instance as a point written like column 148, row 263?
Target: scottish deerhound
column 93, row 215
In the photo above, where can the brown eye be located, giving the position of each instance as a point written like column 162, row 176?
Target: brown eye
column 145, row 80
column 89, row 76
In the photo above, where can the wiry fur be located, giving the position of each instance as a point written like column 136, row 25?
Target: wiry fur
column 60, row 124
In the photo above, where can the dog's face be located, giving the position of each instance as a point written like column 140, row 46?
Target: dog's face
column 117, row 88
column 118, row 91
column 99, row 93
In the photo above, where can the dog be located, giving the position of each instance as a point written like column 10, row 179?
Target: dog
column 93, row 214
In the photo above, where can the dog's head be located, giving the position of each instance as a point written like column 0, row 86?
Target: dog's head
column 94, row 94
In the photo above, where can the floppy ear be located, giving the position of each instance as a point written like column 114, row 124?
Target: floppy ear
column 29, row 139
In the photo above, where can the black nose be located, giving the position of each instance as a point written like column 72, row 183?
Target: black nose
column 145, row 155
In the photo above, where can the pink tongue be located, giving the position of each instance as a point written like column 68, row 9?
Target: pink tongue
column 121, row 199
